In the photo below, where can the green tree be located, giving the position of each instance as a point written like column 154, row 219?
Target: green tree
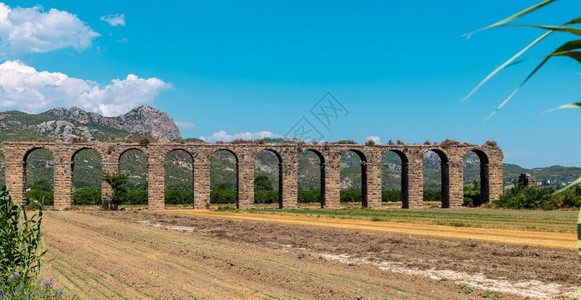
column 42, row 185
column 262, row 183
column 119, row 193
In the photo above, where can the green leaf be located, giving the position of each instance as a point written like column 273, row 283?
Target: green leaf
column 561, row 51
column 515, row 16
column 554, row 28
column 564, row 106
column 506, row 63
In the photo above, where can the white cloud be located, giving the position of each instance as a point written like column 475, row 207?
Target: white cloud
column 374, row 138
column 185, row 125
column 114, row 20
column 24, row 88
column 32, row 30
column 222, row 135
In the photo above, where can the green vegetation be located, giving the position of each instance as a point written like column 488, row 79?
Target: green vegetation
column 21, row 252
column 545, row 198
column 558, row 220
column 119, row 194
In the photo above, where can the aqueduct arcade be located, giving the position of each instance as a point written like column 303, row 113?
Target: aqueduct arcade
column 451, row 155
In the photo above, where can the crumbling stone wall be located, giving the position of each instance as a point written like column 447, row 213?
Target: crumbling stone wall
column 451, row 155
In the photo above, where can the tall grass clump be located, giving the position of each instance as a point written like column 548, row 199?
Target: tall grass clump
column 21, row 252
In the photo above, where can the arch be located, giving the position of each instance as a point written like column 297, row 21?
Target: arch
column 39, row 174
column 86, row 176
column 224, row 175
column 179, row 177
column 133, row 162
column 309, row 179
column 76, row 151
column 268, row 180
column 356, row 168
column 394, row 177
column 475, row 172
column 438, row 164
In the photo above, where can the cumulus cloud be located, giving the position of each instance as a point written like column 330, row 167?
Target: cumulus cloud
column 223, row 136
column 374, row 138
column 114, row 19
column 185, row 125
column 24, row 88
column 32, row 30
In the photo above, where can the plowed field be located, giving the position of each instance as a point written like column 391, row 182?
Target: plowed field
column 179, row 255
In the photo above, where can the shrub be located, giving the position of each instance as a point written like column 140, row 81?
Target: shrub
column 179, row 197
column 432, row 195
column 87, row 197
column 309, row 196
column 134, row 197
column 20, row 246
column 370, row 143
column 350, row 196
column 47, row 196
column 220, row 196
column 144, row 142
column 391, row 196
column 533, row 198
column 472, row 195
column 266, row 197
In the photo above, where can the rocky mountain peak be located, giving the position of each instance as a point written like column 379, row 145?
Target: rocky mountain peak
column 152, row 121
column 65, row 124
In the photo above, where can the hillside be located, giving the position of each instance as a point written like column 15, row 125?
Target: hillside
column 65, row 124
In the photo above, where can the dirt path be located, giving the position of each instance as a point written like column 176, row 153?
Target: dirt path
column 565, row 240
column 110, row 256
column 524, row 270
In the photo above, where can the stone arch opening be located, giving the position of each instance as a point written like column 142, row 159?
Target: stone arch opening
column 268, row 177
column 436, row 177
column 224, row 177
column 179, row 178
column 311, row 178
column 393, row 181
column 39, row 175
column 353, row 175
column 134, row 164
column 476, row 178
column 86, row 176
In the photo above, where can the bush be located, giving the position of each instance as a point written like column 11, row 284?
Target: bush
column 37, row 195
column 350, row 196
column 309, row 196
column 391, row 196
column 266, row 197
column 179, row 197
column 220, row 196
column 530, row 198
column 432, row 195
column 134, row 197
column 472, row 195
column 87, row 197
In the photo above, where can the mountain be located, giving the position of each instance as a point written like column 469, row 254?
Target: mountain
column 65, row 124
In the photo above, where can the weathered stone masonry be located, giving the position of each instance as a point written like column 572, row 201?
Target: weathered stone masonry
column 330, row 154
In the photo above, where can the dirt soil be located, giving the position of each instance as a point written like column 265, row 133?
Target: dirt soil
column 122, row 255
column 522, row 270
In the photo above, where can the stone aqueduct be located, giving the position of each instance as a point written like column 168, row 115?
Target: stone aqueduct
column 451, row 155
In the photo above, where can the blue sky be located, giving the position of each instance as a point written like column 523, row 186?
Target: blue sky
column 226, row 69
